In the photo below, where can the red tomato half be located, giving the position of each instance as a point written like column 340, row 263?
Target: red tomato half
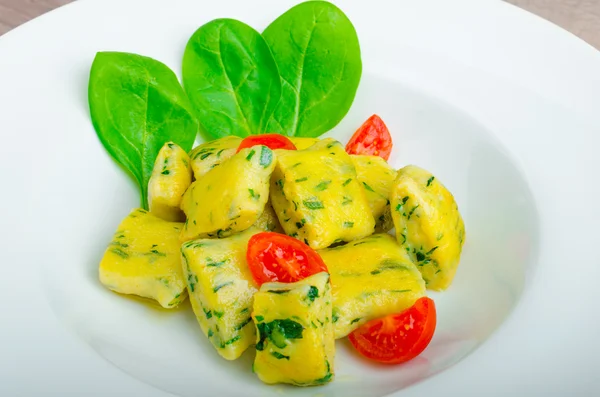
column 272, row 141
column 372, row 138
column 397, row 338
column 277, row 257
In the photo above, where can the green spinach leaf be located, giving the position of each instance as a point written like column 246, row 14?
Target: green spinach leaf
column 318, row 55
column 137, row 105
column 231, row 78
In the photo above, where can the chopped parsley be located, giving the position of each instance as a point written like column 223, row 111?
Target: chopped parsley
column 279, row 291
column 253, row 195
column 243, row 324
column 204, row 153
column 334, row 317
column 431, row 251
column 412, row 211
column 400, row 205
column 230, row 341
column 327, row 377
column 369, row 188
column 388, row 264
column 404, row 238
column 218, row 287
column 322, row 186
column 313, row 205
column 347, row 200
column 192, row 280
column 120, row 252
column 211, row 263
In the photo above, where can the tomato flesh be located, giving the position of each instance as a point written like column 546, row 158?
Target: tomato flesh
column 277, row 257
column 372, row 138
column 272, row 141
column 397, row 338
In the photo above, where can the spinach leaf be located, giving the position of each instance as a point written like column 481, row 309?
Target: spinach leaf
column 231, row 78
column 137, row 105
column 318, row 55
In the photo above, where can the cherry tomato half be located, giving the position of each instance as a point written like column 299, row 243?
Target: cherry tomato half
column 277, row 257
column 372, row 138
column 272, row 141
column 397, row 338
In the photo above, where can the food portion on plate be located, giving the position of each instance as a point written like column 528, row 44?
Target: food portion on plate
column 323, row 273
column 370, row 278
column 171, row 177
column 295, row 342
column 281, row 239
column 231, row 197
column 317, row 196
column 143, row 259
column 428, row 224
column 221, row 290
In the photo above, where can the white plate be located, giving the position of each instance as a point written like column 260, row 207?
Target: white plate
column 501, row 105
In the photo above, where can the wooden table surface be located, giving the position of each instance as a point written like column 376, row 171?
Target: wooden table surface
column 581, row 17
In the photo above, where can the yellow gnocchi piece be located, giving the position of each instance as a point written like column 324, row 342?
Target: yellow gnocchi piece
column 294, row 341
column 143, row 259
column 370, row 278
column 302, row 143
column 317, row 197
column 171, row 176
column 221, row 290
column 428, row 225
column 211, row 154
column 377, row 179
column 231, row 197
